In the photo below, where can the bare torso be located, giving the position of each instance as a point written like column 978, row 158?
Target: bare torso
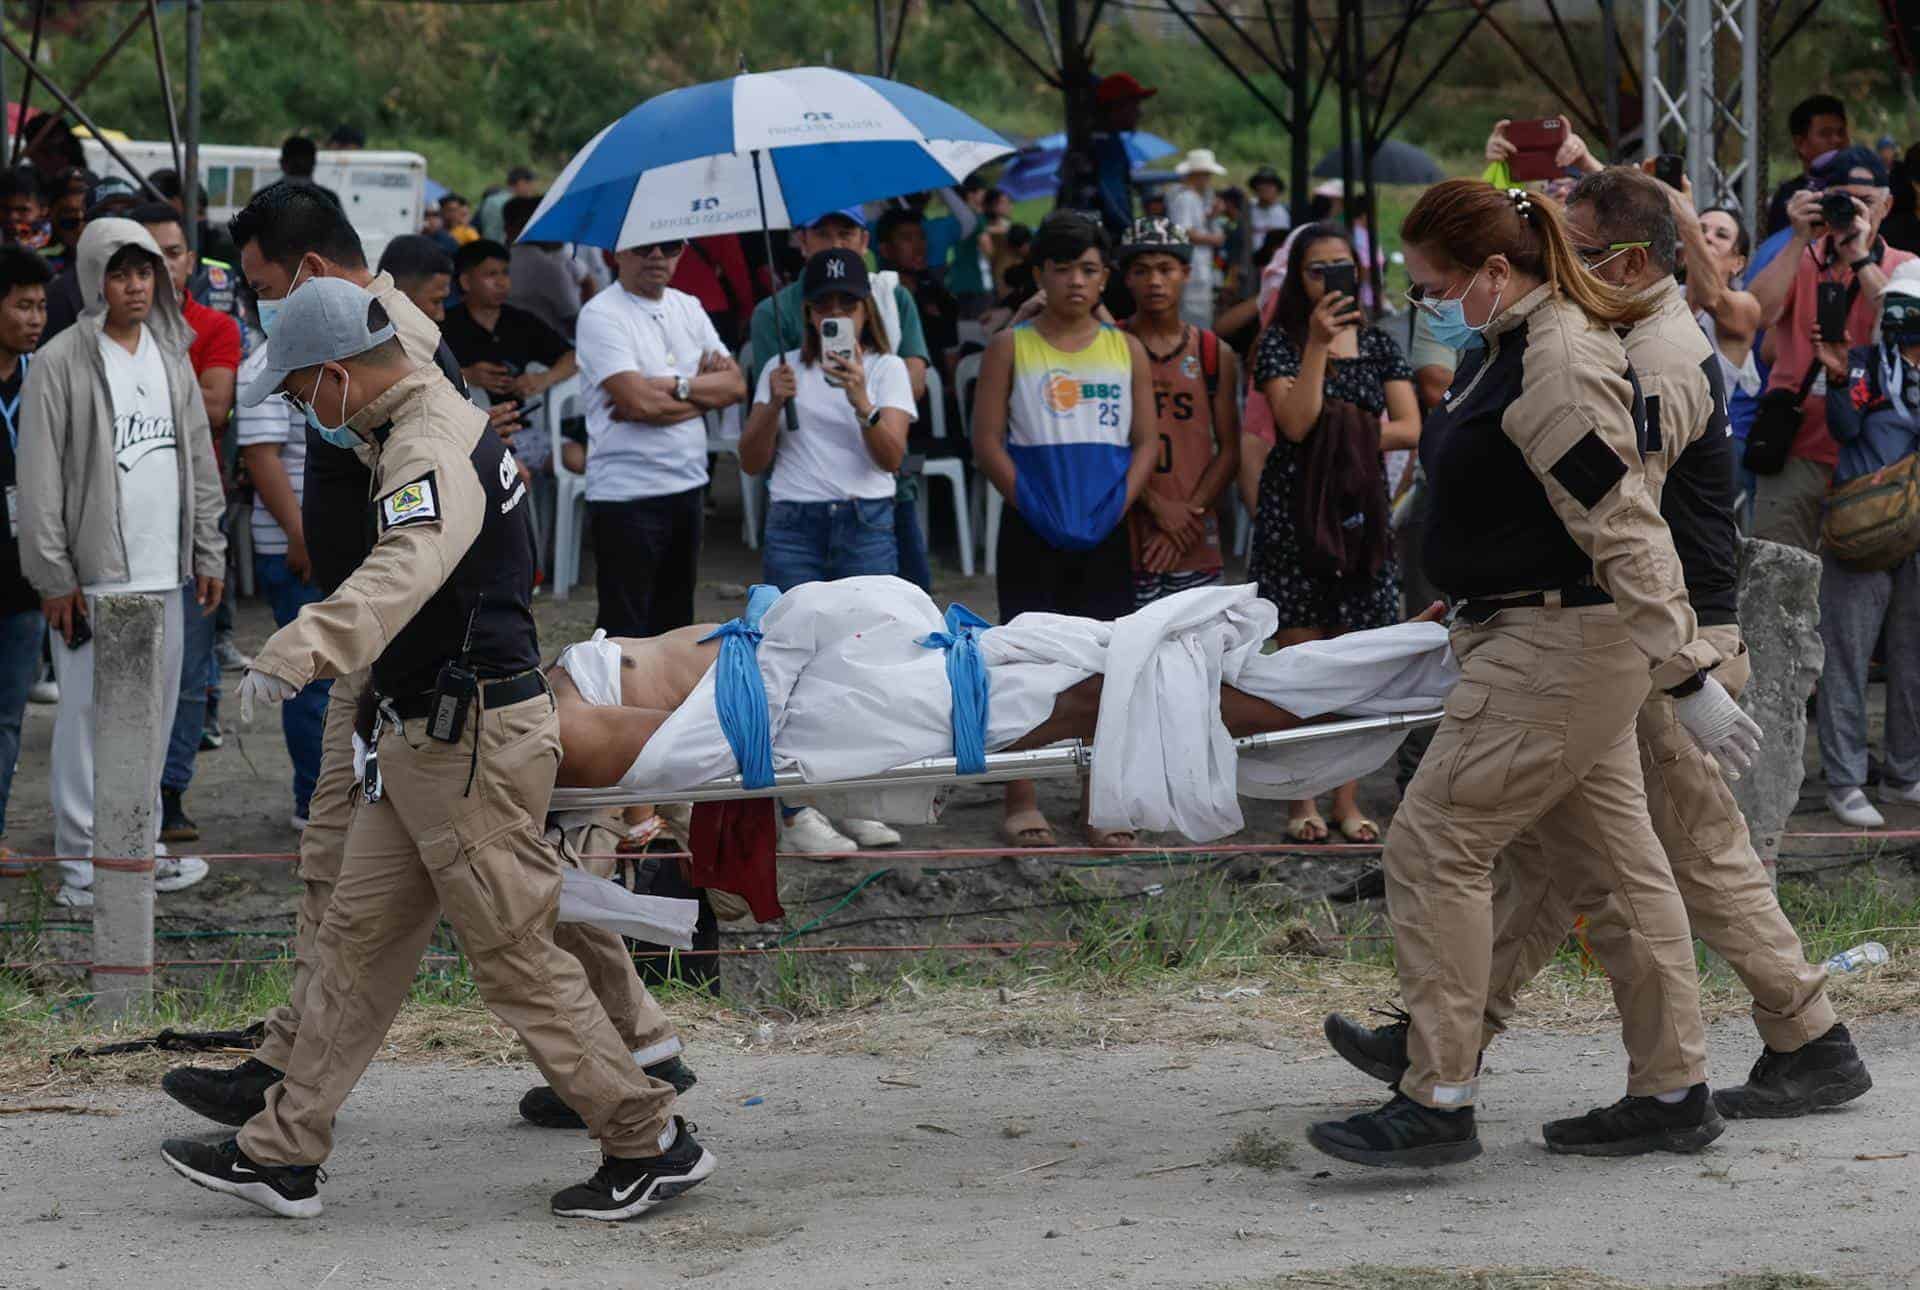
column 661, row 671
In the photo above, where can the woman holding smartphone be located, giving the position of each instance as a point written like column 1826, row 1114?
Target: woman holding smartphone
column 830, row 512
column 1319, row 351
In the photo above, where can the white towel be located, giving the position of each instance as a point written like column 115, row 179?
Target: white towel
column 659, row 920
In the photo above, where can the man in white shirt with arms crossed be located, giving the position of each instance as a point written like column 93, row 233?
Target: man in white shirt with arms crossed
column 653, row 366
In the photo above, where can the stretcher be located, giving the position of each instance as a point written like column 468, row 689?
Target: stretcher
column 1056, row 761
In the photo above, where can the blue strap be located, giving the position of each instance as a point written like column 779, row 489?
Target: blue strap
column 967, row 675
column 740, row 692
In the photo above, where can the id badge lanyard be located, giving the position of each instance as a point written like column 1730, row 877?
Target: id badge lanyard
column 10, row 410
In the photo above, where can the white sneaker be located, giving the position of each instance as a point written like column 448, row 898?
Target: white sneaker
column 44, row 692
column 72, row 897
column 1851, row 807
column 810, row 834
column 171, row 874
column 868, row 833
column 229, row 656
column 1910, row 795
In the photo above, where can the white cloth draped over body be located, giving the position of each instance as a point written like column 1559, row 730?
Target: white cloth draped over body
column 851, row 692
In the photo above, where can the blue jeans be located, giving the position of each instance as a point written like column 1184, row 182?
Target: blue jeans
column 303, row 716
column 198, row 674
column 20, row 637
column 821, row 541
column 912, row 542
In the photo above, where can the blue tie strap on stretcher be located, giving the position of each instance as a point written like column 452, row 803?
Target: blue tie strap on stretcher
column 740, row 692
column 967, row 675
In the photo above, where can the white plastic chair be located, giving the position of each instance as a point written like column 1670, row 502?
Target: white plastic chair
column 723, row 440
column 753, row 488
column 987, row 502
column 569, row 490
column 949, row 469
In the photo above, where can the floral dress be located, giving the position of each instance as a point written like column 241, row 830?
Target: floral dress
column 1307, row 599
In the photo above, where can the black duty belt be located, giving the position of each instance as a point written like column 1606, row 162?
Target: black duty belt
column 503, row 693
column 1579, row 596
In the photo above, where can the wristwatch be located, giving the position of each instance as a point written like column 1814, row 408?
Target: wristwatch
column 873, row 417
column 682, row 387
column 1861, row 263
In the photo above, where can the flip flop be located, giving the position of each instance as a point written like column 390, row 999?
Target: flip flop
column 1358, row 828
column 1111, row 839
column 1298, row 829
column 1027, row 829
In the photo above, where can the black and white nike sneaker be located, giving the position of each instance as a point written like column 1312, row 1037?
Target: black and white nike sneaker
column 546, row 1108
column 291, row 1191
column 231, row 1096
column 623, row 1188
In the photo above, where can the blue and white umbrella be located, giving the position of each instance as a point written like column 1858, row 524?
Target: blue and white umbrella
column 760, row 150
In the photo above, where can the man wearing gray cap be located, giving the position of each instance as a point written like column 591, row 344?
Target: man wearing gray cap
column 464, row 748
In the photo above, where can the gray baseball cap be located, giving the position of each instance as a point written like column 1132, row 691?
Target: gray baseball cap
column 323, row 321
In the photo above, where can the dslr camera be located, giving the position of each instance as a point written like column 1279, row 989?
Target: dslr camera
column 1836, row 208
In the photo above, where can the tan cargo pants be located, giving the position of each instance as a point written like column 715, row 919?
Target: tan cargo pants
column 1538, row 736
column 323, row 846
column 643, row 1026
column 1729, row 897
column 431, row 843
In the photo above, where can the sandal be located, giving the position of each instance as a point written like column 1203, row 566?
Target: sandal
column 1358, row 828
column 1307, row 828
column 1027, row 829
column 1112, row 839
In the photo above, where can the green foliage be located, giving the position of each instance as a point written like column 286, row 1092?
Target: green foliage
column 478, row 88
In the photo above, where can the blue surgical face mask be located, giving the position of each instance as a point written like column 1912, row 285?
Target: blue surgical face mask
column 339, row 436
column 270, row 309
column 1448, row 322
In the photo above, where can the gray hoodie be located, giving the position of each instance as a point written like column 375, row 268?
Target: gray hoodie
column 69, row 481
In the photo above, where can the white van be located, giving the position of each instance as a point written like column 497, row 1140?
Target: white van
column 384, row 192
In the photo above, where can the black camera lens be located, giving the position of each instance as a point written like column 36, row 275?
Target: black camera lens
column 1837, row 210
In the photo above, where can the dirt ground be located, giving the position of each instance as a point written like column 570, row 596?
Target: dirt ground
column 941, row 1162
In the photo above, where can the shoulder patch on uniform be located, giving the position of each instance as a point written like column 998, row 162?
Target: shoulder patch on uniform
column 1589, row 470
column 1654, row 441
column 415, row 502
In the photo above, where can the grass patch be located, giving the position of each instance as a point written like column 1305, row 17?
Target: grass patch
column 1263, row 1150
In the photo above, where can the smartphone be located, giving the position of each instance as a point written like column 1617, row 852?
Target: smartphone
column 82, row 630
column 1343, row 278
column 1830, row 312
column 1669, row 169
column 836, row 338
column 525, row 413
column 1535, row 143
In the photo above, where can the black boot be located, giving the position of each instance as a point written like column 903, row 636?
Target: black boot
column 175, row 824
column 1380, row 1051
column 232, row 1096
column 1633, row 1126
column 546, row 1108
column 1819, row 1074
column 1400, row 1133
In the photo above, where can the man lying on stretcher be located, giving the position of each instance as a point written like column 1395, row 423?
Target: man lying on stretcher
column 860, row 676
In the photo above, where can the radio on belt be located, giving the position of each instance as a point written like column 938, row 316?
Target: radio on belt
column 455, row 690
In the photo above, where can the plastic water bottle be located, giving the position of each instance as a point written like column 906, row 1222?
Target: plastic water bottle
column 1872, row 954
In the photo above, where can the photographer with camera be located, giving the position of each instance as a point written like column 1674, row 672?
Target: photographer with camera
column 1824, row 285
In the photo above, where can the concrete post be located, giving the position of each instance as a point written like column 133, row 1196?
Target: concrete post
column 127, row 743
column 1780, row 621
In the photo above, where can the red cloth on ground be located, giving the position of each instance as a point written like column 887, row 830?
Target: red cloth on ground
column 732, row 848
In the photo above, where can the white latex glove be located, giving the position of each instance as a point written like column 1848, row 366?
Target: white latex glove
column 264, row 687
column 1719, row 726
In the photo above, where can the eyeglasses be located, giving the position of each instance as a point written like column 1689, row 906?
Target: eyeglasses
column 1598, row 255
column 1416, row 296
column 669, row 249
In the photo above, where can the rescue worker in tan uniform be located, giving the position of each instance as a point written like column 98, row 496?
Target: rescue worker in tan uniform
column 289, row 235
column 461, row 767
column 1621, row 222
column 1570, row 606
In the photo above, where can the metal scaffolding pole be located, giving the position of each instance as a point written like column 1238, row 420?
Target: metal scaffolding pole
column 1699, row 92
column 190, row 176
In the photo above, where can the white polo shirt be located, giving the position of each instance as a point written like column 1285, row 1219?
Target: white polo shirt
column 620, row 332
